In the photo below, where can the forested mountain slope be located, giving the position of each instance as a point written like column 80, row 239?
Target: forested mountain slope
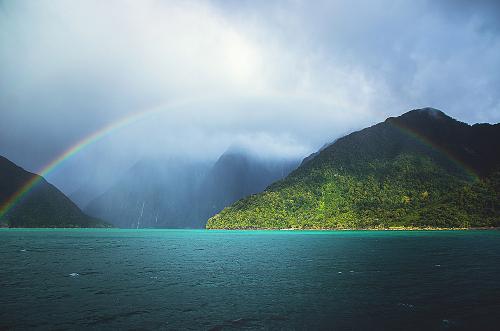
column 42, row 206
column 421, row 169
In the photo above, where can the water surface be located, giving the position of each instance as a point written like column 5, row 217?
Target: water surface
column 227, row 280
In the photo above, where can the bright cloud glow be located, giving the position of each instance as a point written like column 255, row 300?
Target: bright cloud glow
column 280, row 77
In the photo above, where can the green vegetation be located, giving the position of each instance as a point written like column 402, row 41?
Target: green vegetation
column 383, row 177
column 44, row 206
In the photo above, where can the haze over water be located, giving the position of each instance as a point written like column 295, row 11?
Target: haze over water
column 223, row 280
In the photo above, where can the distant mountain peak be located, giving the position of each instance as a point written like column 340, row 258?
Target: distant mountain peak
column 235, row 152
column 239, row 152
column 420, row 169
column 42, row 206
column 428, row 111
column 184, row 194
column 421, row 114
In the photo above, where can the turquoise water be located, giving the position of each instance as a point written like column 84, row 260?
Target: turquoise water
column 228, row 280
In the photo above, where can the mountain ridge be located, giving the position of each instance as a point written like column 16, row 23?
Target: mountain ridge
column 42, row 206
column 183, row 194
column 386, row 175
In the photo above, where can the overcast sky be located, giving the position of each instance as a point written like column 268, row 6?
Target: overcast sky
column 279, row 77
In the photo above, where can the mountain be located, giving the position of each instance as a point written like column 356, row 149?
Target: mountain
column 153, row 193
column 43, row 206
column 313, row 155
column 82, row 196
column 421, row 169
column 177, row 193
column 237, row 174
column 93, row 178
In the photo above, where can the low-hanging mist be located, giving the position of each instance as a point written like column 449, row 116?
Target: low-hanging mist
column 281, row 77
column 182, row 193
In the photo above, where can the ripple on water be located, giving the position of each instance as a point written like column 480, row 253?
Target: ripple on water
column 257, row 281
column 236, row 323
column 108, row 318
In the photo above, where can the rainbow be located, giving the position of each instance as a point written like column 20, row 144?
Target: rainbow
column 470, row 172
column 77, row 147
column 135, row 117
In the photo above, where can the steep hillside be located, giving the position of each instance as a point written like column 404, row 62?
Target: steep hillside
column 153, row 193
column 236, row 175
column 42, row 206
column 421, row 169
column 184, row 194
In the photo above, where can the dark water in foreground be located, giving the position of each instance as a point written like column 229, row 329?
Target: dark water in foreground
column 225, row 280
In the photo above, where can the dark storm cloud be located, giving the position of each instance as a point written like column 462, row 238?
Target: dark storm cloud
column 281, row 77
column 486, row 12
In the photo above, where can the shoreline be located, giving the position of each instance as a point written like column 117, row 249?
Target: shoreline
column 364, row 229
column 267, row 229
